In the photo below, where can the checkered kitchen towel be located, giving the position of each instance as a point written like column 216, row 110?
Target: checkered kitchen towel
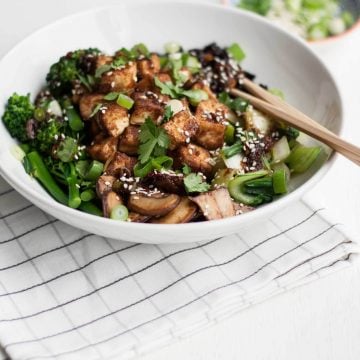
column 67, row 294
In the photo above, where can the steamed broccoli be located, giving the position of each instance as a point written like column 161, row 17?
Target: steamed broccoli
column 19, row 110
column 47, row 135
column 77, row 65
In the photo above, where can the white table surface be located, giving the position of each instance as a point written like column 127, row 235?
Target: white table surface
column 318, row 321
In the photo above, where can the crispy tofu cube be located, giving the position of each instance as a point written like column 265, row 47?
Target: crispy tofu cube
column 212, row 110
column 210, row 134
column 121, row 163
column 180, row 128
column 113, row 118
column 103, row 60
column 87, row 104
column 129, row 140
column 146, row 107
column 148, row 67
column 120, row 80
column 103, row 148
column 198, row 158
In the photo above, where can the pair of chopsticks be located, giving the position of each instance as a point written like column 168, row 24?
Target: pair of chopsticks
column 279, row 109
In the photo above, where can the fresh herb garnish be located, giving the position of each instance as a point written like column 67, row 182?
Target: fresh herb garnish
column 168, row 113
column 153, row 141
column 238, row 104
column 195, row 183
column 186, row 169
column 175, row 92
column 158, row 163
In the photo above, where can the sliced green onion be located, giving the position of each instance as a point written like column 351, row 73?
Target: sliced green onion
column 280, row 150
column 302, row 157
column 236, row 188
column 280, row 181
column 172, row 47
column 75, row 121
column 87, row 195
column 230, row 134
column 39, row 114
column 236, row 52
column 141, row 170
column 125, row 101
column 94, row 171
column 119, row 212
column 74, row 200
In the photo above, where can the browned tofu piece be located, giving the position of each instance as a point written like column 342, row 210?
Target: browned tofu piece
column 113, row 119
column 210, row 134
column 180, row 128
column 103, row 149
column 119, row 80
column 147, row 85
column 87, row 104
column 148, row 67
column 129, row 141
column 212, row 110
column 103, row 60
column 121, row 163
column 198, row 158
column 146, row 107
column 201, row 86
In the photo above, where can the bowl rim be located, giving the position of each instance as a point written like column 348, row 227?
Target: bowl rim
column 46, row 202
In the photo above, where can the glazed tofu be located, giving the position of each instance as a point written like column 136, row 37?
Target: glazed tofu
column 103, row 149
column 119, row 163
column 146, row 107
column 198, row 158
column 210, row 134
column 129, row 140
column 87, row 104
column 103, row 60
column 212, row 110
column 148, row 67
column 113, row 119
column 180, row 128
column 122, row 79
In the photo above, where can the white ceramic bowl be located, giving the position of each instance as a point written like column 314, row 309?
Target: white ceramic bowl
column 278, row 59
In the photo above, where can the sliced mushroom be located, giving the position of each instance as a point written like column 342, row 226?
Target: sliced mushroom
column 216, row 204
column 183, row 213
column 109, row 200
column 104, row 184
column 136, row 217
column 169, row 182
column 151, row 205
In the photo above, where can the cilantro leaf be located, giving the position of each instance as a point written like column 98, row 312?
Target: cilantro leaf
column 153, row 141
column 194, row 183
column 166, row 88
column 186, row 169
column 168, row 113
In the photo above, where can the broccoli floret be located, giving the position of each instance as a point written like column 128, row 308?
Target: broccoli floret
column 74, row 66
column 19, row 110
column 47, row 135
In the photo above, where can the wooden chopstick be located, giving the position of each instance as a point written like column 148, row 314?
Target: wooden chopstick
column 280, row 110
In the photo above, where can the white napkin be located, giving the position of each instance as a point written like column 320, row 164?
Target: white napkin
column 71, row 295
